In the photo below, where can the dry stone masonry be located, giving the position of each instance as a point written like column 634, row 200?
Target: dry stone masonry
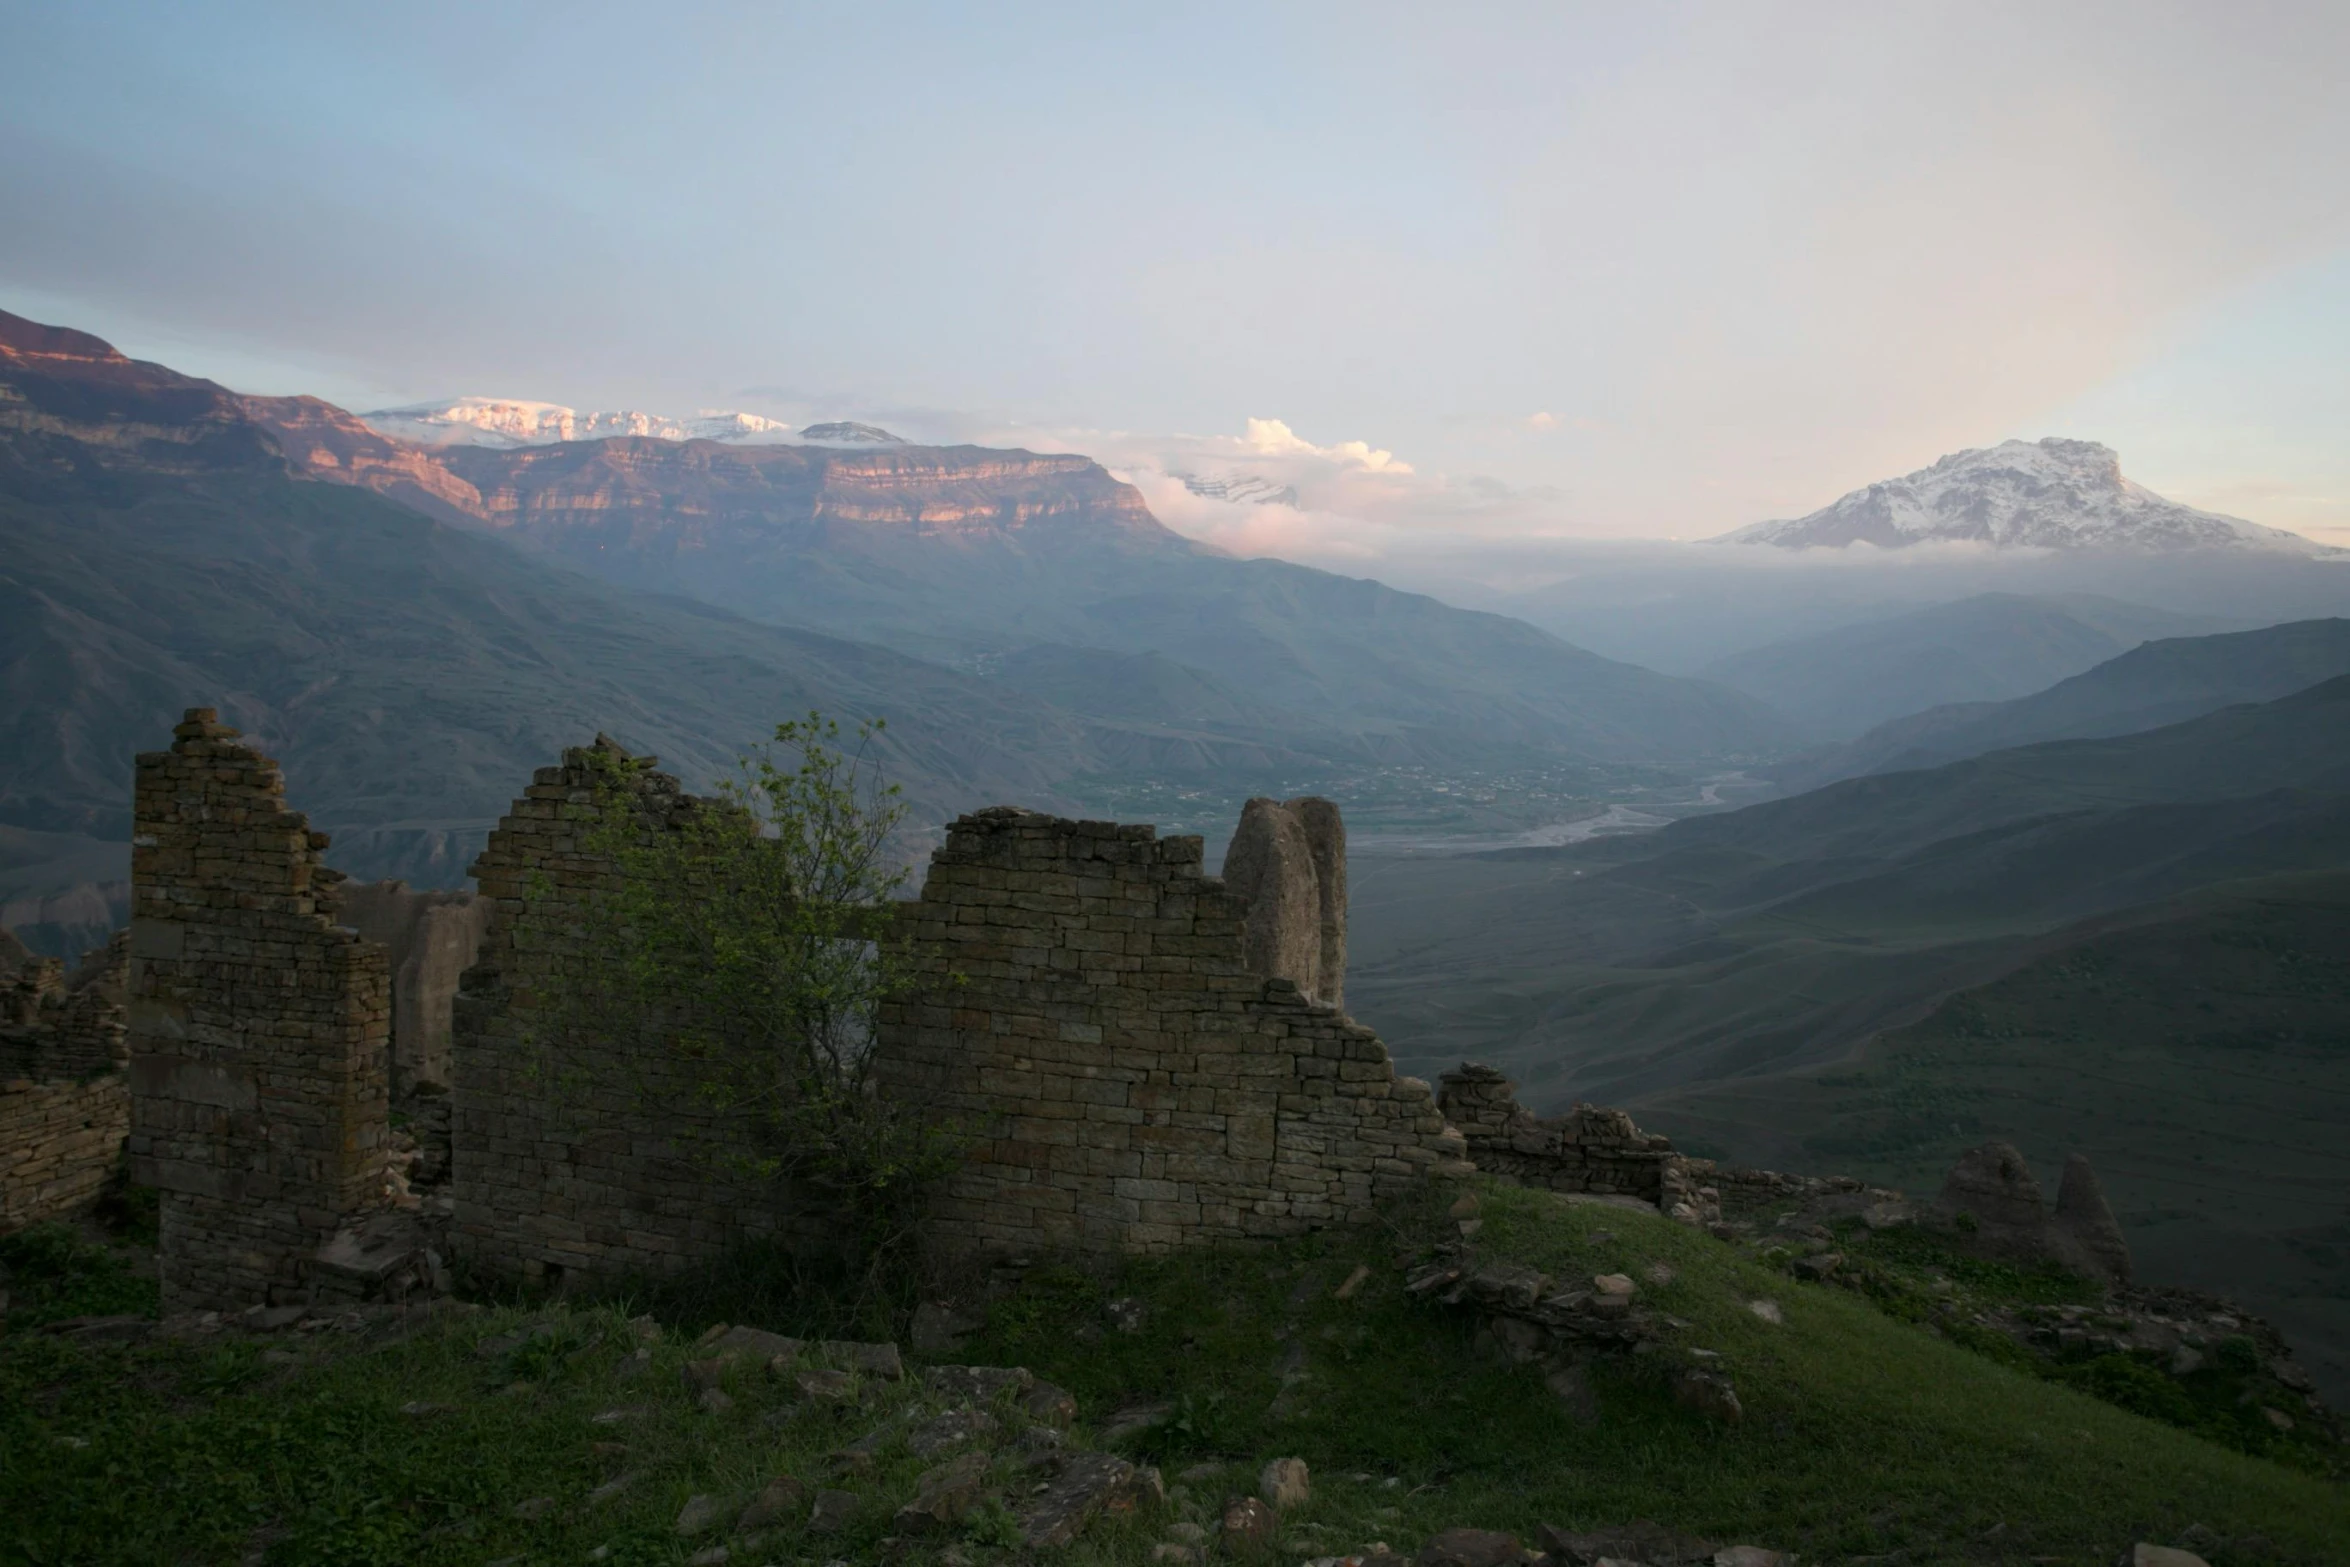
column 64, row 1109
column 573, row 1158
column 1098, row 1015
column 1588, row 1149
column 1142, row 1056
column 259, row 1027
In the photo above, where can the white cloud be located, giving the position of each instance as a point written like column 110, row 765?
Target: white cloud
column 1274, row 438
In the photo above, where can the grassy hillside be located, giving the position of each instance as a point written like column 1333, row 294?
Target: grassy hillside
column 411, row 675
column 1863, row 1435
column 2157, row 683
column 2198, row 1051
column 1988, row 648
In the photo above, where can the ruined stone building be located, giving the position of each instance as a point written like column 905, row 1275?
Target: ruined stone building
column 341, row 1091
column 344, row 1089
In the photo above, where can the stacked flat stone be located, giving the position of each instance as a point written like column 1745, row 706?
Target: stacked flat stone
column 574, row 1157
column 1589, row 1149
column 64, row 1104
column 1088, row 1012
column 258, row 1027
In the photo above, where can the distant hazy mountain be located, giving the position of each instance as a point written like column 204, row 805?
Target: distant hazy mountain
column 2158, row 683
column 2052, row 494
column 967, row 554
column 163, row 547
column 1982, row 649
column 508, row 422
column 161, row 550
column 1779, row 936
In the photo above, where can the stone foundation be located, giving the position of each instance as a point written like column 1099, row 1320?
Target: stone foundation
column 1090, row 1015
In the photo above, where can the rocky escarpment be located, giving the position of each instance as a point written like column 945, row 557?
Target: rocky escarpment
column 665, row 498
column 70, row 401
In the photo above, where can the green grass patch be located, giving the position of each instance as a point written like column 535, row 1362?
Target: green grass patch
column 1863, row 1434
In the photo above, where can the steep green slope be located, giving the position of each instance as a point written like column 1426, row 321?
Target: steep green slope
column 409, row 674
column 2157, row 683
column 2297, row 742
column 2197, row 1050
column 1862, row 1436
column 1991, row 647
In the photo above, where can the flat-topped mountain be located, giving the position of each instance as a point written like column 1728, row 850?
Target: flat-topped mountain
column 2053, row 494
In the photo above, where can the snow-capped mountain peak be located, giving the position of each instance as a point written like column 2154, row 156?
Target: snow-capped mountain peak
column 2049, row 494
column 509, row 422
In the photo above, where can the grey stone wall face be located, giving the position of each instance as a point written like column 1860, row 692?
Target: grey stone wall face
column 59, row 1143
column 1089, row 1015
column 571, row 1157
column 64, row 1108
column 432, row 938
column 258, row 1027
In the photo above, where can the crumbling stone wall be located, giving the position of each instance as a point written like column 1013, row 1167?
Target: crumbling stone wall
column 1992, row 1204
column 1090, row 1013
column 431, row 938
column 573, row 1157
column 1287, row 862
column 1588, row 1149
column 64, row 1109
column 258, row 1027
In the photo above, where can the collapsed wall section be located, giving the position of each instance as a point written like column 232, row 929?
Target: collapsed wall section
column 579, row 1155
column 64, row 1106
column 1588, row 1149
column 258, row 1027
column 1088, row 1014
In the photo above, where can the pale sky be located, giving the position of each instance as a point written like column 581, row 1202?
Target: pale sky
column 1605, row 270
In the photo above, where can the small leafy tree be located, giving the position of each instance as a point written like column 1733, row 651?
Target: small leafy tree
column 741, row 944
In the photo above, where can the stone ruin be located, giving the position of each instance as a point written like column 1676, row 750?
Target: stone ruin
column 1991, row 1200
column 64, row 1104
column 1140, row 1046
column 341, row 1090
column 1588, row 1149
column 1287, row 860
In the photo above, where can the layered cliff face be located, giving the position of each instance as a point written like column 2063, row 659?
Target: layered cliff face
column 700, row 495
column 324, row 442
column 70, row 401
column 69, row 404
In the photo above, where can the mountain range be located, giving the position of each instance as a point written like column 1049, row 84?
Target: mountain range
column 1984, row 648
column 2053, row 494
column 414, row 629
column 2157, row 683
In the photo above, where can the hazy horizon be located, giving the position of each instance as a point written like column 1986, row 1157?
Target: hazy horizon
column 1525, row 275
